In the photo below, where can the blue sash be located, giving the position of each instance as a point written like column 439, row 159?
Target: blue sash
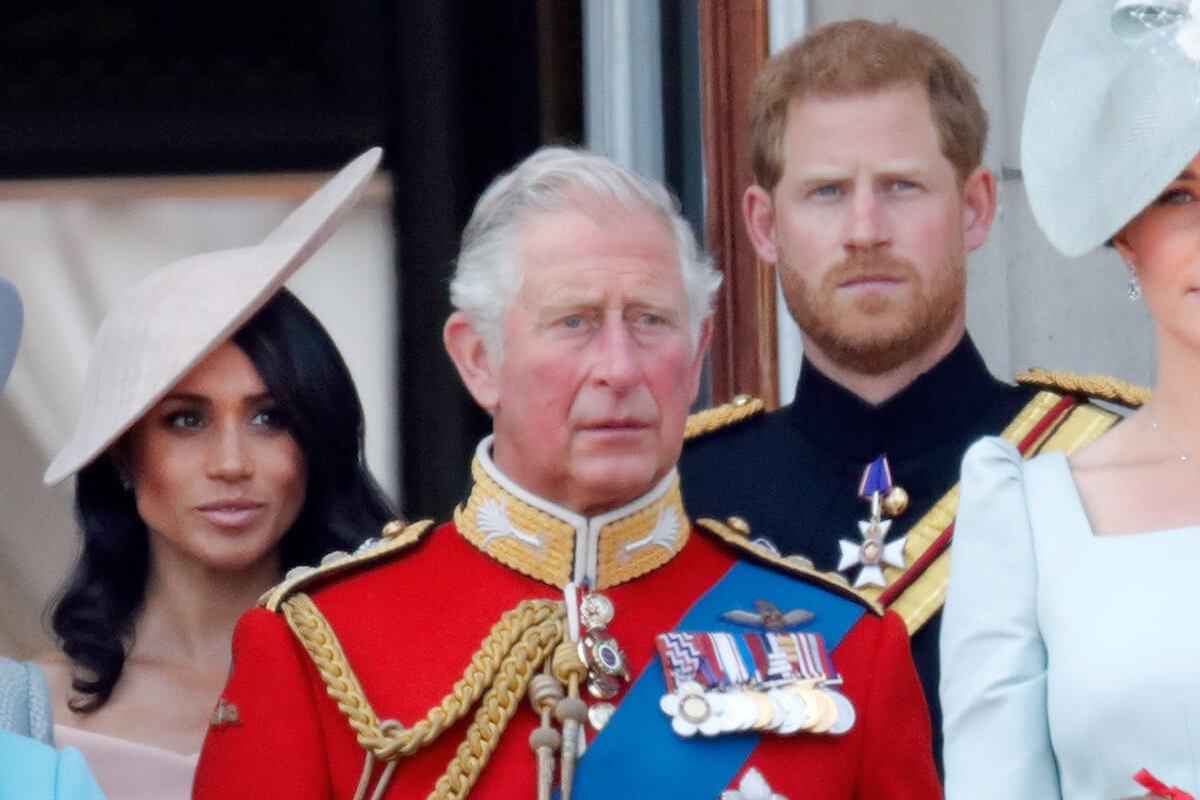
column 639, row 755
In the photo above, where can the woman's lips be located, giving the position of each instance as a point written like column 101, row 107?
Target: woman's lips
column 231, row 514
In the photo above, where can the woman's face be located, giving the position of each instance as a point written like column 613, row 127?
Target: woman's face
column 1163, row 244
column 217, row 476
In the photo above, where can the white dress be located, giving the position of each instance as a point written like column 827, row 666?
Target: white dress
column 1069, row 661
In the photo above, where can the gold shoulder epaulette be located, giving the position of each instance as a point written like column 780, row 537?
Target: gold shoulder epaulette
column 735, row 532
column 711, row 419
column 1101, row 387
column 395, row 537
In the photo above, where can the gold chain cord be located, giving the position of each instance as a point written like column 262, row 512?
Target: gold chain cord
column 1104, row 387
column 513, row 651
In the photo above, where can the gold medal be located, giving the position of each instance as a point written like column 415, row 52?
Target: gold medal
column 765, row 711
column 827, row 711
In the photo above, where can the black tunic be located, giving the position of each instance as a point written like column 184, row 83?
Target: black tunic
column 793, row 474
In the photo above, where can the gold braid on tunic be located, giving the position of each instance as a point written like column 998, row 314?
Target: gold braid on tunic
column 497, row 678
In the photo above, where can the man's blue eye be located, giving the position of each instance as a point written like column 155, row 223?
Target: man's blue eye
column 574, row 321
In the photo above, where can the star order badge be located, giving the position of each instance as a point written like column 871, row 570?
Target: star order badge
column 874, row 551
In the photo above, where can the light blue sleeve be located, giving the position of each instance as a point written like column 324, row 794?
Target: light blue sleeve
column 25, row 700
column 993, row 685
column 73, row 780
column 30, row 770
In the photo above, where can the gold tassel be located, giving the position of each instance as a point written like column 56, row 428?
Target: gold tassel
column 570, row 710
column 544, row 694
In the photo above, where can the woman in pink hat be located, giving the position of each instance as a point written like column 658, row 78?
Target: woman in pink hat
column 1070, row 662
column 219, row 443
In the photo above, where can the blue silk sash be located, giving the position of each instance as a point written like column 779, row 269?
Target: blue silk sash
column 638, row 755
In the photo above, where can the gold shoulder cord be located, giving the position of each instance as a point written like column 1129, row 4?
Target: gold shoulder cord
column 1102, row 387
column 396, row 537
column 499, row 673
column 710, row 419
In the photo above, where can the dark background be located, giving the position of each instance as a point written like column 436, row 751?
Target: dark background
column 455, row 91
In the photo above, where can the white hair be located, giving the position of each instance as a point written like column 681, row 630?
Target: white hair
column 488, row 274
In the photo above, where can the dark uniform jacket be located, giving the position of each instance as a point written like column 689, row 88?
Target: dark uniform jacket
column 793, row 474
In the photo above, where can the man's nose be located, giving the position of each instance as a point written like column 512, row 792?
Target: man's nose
column 866, row 221
column 616, row 355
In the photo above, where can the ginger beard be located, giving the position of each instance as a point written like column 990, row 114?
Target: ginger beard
column 874, row 332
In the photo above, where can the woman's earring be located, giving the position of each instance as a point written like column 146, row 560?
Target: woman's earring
column 1135, row 286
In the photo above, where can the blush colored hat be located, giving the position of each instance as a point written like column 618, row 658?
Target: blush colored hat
column 10, row 327
column 168, row 321
column 1112, row 115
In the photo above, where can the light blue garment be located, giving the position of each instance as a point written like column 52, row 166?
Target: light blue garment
column 1069, row 661
column 30, row 770
column 25, row 700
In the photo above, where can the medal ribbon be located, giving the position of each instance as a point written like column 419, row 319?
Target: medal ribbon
column 876, row 479
column 638, row 755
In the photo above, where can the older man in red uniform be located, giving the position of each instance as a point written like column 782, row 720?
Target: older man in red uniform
column 570, row 632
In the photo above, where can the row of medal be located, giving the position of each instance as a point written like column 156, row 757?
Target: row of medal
column 782, row 683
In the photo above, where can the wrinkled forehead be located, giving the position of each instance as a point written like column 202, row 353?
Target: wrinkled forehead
column 601, row 207
column 602, row 232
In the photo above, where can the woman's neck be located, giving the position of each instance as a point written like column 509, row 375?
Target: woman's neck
column 190, row 610
column 1173, row 406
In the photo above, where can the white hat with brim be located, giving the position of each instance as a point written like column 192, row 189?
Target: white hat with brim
column 10, row 327
column 1112, row 115
column 167, row 322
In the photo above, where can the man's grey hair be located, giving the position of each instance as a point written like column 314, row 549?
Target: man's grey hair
column 488, row 274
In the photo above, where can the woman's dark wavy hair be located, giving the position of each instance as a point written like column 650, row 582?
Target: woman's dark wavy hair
column 343, row 505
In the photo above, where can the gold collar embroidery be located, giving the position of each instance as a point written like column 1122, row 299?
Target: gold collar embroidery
column 557, row 546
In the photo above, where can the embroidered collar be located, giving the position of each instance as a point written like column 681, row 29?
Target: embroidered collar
column 557, row 546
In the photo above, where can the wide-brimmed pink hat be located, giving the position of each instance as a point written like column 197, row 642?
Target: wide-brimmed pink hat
column 167, row 322
column 10, row 327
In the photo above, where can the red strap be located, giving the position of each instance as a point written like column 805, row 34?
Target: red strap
column 939, row 545
column 1160, row 789
column 1046, row 421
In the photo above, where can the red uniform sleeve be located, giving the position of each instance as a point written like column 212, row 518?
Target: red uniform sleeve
column 274, row 747
column 898, row 760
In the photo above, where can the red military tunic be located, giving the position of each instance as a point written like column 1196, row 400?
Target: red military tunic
column 409, row 625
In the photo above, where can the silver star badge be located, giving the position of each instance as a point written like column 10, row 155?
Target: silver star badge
column 872, row 553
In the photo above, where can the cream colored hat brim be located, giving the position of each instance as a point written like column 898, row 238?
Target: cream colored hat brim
column 11, row 317
column 170, row 320
column 1112, row 117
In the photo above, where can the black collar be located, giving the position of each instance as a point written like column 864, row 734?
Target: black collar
column 935, row 406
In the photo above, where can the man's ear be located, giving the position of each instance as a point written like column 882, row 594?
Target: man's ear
column 475, row 365
column 979, row 206
column 758, row 212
